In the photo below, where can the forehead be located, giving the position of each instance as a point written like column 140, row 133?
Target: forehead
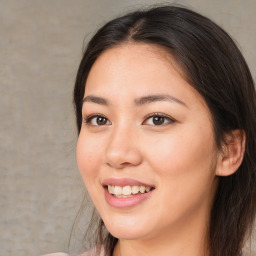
column 137, row 63
column 128, row 72
column 137, row 53
column 138, row 69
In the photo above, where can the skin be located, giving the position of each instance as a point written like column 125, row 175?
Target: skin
column 179, row 157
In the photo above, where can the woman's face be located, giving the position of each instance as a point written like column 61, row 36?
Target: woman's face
column 146, row 149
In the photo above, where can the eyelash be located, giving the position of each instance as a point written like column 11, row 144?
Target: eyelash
column 87, row 120
column 167, row 119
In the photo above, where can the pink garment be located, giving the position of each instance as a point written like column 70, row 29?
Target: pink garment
column 246, row 252
column 56, row 254
column 64, row 254
column 91, row 252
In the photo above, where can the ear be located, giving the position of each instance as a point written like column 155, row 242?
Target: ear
column 232, row 154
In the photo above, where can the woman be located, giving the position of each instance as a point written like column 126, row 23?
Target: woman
column 165, row 107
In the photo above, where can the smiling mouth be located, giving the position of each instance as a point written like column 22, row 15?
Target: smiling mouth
column 128, row 191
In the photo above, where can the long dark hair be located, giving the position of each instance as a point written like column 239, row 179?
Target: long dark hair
column 215, row 67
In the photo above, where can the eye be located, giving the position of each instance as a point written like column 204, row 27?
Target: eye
column 96, row 120
column 158, row 119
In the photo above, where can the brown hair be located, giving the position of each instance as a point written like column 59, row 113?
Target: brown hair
column 215, row 67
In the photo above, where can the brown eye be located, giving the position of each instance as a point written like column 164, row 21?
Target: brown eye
column 158, row 120
column 96, row 120
column 101, row 120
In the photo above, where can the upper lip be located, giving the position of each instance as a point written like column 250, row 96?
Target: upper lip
column 124, row 182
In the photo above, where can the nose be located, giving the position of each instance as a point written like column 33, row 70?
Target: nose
column 123, row 149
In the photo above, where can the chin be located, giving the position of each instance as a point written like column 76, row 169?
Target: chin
column 126, row 232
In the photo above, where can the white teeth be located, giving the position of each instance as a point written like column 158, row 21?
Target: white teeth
column 116, row 190
column 110, row 189
column 142, row 189
column 135, row 189
column 127, row 190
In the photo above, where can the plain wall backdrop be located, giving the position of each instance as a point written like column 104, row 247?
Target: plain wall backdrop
column 40, row 49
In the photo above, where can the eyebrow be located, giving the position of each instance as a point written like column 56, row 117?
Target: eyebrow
column 95, row 99
column 139, row 101
column 158, row 97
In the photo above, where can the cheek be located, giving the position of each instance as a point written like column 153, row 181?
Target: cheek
column 184, row 162
column 182, row 151
column 88, row 157
column 184, row 167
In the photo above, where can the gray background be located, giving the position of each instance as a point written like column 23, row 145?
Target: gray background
column 40, row 48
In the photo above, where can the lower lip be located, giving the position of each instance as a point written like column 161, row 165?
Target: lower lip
column 119, row 202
